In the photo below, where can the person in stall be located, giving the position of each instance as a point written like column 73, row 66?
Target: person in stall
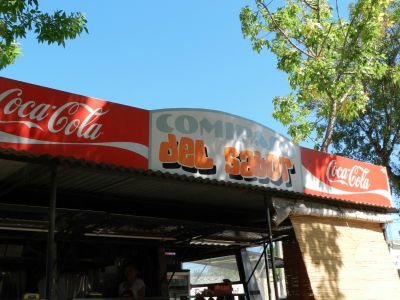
column 133, row 287
column 226, row 290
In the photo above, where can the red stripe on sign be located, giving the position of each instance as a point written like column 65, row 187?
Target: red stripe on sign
column 41, row 120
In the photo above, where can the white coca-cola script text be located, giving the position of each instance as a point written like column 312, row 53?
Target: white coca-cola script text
column 70, row 118
column 355, row 176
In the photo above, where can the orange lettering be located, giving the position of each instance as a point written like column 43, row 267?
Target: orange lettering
column 186, row 152
column 202, row 160
column 169, row 150
column 287, row 165
column 232, row 163
column 261, row 165
column 273, row 167
column 248, row 164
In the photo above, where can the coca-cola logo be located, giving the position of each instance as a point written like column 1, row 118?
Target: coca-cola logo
column 352, row 177
column 70, row 118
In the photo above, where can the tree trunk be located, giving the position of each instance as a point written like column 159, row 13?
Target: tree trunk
column 329, row 129
column 394, row 178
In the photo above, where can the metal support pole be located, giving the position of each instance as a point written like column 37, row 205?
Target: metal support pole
column 271, row 248
column 51, row 245
column 257, row 263
column 267, row 271
column 279, row 253
column 242, row 274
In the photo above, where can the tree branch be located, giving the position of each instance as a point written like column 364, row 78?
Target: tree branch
column 339, row 18
column 393, row 177
column 329, row 129
column 387, row 130
column 344, row 96
column 324, row 41
column 396, row 135
column 368, row 132
column 308, row 53
column 308, row 4
column 339, row 75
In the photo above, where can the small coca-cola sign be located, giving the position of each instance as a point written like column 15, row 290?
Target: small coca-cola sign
column 46, row 121
column 343, row 178
column 70, row 118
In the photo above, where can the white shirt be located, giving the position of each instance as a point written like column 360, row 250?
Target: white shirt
column 134, row 287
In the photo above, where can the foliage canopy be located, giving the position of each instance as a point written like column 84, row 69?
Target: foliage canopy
column 375, row 135
column 327, row 58
column 18, row 17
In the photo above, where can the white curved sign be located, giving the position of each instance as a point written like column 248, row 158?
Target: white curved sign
column 220, row 146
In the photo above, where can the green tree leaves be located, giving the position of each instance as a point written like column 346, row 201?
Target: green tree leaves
column 374, row 135
column 327, row 59
column 344, row 74
column 17, row 17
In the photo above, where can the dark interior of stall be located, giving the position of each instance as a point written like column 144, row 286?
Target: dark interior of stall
column 105, row 218
column 91, row 268
column 82, row 268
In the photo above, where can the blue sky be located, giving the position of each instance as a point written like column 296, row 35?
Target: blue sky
column 159, row 54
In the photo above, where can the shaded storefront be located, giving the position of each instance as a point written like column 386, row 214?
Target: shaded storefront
column 89, row 186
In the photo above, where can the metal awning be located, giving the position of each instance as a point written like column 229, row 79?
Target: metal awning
column 98, row 224
column 30, row 172
column 105, row 202
column 108, row 201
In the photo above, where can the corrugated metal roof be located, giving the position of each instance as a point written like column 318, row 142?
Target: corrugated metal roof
column 122, row 181
column 142, row 204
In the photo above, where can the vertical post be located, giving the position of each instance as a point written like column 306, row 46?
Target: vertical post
column 257, row 263
column 282, row 286
column 51, row 245
column 271, row 249
column 162, row 272
column 267, row 270
column 242, row 273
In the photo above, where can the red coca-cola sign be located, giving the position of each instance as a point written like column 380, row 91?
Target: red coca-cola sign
column 46, row 121
column 339, row 177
